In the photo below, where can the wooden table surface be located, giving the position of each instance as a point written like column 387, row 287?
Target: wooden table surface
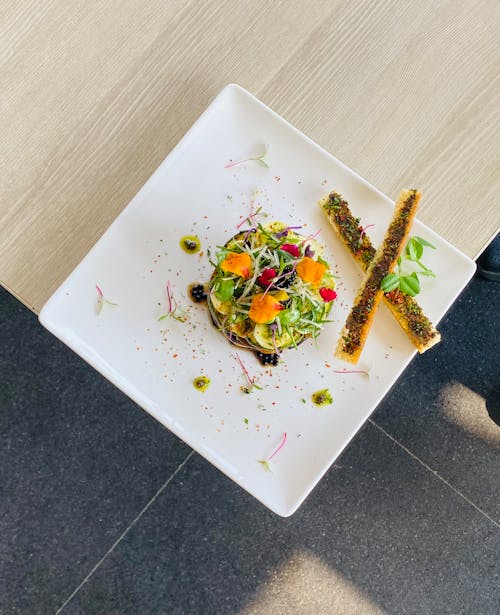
column 94, row 94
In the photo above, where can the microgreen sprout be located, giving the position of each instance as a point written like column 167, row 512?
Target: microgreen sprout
column 173, row 310
column 101, row 300
column 409, row 284
column 363, row 230
column 251, row 218
column 363, row 372
column 310, row 237
column 258, row 159
column 286, row 230
column 251, row 382
column 265, row 462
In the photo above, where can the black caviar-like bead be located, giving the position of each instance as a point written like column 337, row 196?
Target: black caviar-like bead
column 287, row 277
column 197, row 293
column 267, row 359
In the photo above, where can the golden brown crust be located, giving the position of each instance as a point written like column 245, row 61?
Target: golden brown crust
column 404, row 308
column 360, row 318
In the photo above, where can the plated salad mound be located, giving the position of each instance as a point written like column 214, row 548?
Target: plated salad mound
column 270, row 289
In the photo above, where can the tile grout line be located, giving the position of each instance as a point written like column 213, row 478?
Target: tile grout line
column 125, row 532
column 434, row 472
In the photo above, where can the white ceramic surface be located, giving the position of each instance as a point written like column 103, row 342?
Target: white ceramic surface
column 155, row 362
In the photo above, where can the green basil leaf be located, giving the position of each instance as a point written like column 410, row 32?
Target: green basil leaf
column 419, row 248
column 410, row 285
column 409, row 250
column 225, row 290
column 414, row 250
column 390, row 282
column 221, row 255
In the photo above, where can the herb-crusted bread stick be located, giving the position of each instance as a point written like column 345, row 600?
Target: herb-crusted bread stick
column 404, row 308
column 360, row 318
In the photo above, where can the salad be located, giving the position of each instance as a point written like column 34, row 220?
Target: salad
column 270, row 289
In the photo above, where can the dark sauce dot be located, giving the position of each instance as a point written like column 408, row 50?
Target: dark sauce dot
column 267, row 358
column 197, row 293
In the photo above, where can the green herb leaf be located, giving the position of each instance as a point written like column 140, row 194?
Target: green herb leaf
column 265, row 464
column 410, row 251
column 262, row 163
column 409, row 284
column 414, row 249
column 225, row 290
column 424, row 242
column 390, row 282
column 221, row 255
column 427, row 272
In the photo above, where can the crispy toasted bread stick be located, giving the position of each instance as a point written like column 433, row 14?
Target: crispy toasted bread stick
column 360, row 319
column 404, row 308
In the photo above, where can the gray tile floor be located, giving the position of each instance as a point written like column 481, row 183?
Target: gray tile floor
column 102, row 511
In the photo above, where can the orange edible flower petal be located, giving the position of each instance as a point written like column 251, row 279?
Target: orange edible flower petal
column 264, row 308
column 311, row 271
column 240, row 264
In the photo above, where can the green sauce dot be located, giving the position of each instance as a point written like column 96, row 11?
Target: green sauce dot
column 190, row 244
column 201, row 383
column 322, row 398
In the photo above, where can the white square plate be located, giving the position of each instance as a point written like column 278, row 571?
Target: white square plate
column 192, row 192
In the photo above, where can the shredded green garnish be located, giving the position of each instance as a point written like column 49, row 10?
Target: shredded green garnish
column 304, row 311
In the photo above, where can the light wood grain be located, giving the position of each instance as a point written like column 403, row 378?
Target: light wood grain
column 95, row 94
